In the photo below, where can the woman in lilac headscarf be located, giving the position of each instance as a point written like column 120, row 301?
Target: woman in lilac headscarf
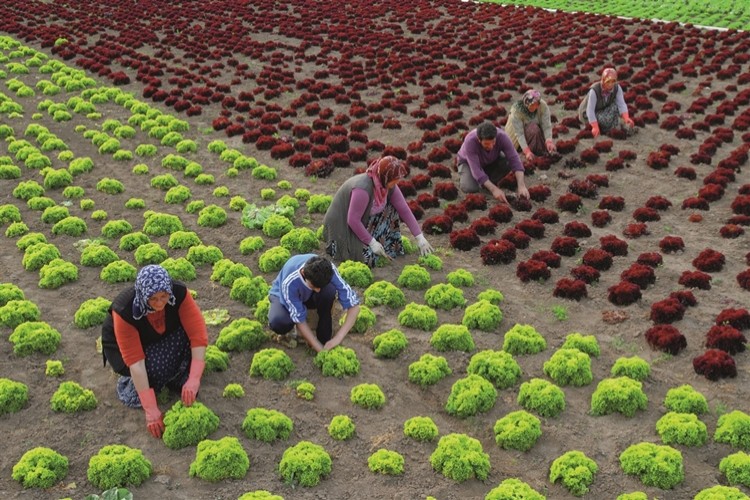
column 604, row 105
column 529, row 125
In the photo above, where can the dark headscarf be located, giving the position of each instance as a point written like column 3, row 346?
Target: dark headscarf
column 151, row 279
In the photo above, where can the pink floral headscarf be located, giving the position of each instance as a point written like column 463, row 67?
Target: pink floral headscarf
column 609, row 74
column 531, row 96
column 382, row 171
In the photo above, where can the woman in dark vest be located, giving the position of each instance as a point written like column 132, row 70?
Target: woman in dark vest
column 604, row 105
column 155, row 336
column 362, row 222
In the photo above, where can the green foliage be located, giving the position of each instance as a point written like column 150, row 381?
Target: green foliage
column 91, row 312
column 57, row 178
column 736, row 467
column 177, row 195
column 130, row 242
column 273, row 259
column 181, row 240
column 368, row 396
column 421, row 429
column 71, row 226
column 355, row 273
column 174, row 162
column 300, row 240
column 306, row 391
column 264, row 172
column 212, row 216
column 482, row 315
column 389, row 344
column 277, row 226
column 188, row 425
column 8, row 292
column 40, row 468
column 460, row 278
column 384, row 293
column 302, row 194
column 444, row 296
column 471, row 395
column 116, row 228
column 217, row 146
column 120, row 271
column 16, row 312
column 685, row 399
column 719, row 492
column 514, row 489
column 523, row 339
column 16, row 229
column 305, row 464
column 204, row 254
column 621, row 394
column 254, row 217
column 518, row 430
column 30, row 239
column 226, row 272
column 460, row 457
column 80, row 166
column 97, row 255
column 38, row 255
column 204, row 179
column 237, row 203
column 110, row 186
column 54, row 214
column 655, row 465
column 267, row 425
column 150, row 253
column 135, row 203
column 271, row 364
column 732, row 428
column 87, row 204
column 637, row 495
column 73, row 192
column 234, row 391
column 242, row 334
column 13, row 396
column 249, row 291
column 179, row 269
column 634, row 367
column 365, row 319
column 569, row 367
column 54, row 368
column 541, row 396
column 431, row 261
column 450, row 337
column 341, row 428
column 498, row 367
column 70, row 397
column 251, row 244
column 338, row 362
column 428, row 370
column 221, row 459
column 575, row 470
column 8, row 171
column 318, row 203
column 682, row 428
column 26, row 190
column 414, row 277
column 216, row 359
column 34, row 336
column 386, row 462
column 161, row 224
column 584, row 343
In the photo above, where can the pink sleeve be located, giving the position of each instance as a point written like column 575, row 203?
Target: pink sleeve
column 357, row 206
column 407, row 216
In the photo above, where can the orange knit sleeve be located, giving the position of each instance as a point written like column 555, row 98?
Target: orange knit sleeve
column 193, row 322
column 128, row 340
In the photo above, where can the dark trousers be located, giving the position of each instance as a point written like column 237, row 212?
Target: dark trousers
column 495, row 171
column 280, row 322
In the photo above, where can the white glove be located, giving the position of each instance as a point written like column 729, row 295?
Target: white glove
column 377, row 248
column 424, row 245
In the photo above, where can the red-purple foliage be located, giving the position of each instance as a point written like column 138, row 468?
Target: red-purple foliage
column 321, row 168
column 484, row 226
column 421, row 181
column 695, row 279
column 406, row 186
column 600, row 180
column 646, row 214
column 437, row 170
column 498, row 252
column 565, row 245
column 590, row 155
column 535, row 270
column 658, row 202
column 438, row 154
column 585, row 273
column 741, row 205
column 500, row 213
column 668, row 310
column 282, row 150
column 546, row 216
column 736, row 318
column 711, row 192
column 666, row 338
column 446, row 190
column 685, row 297
column 715, row 364
column 519, row 204
column 600, row 218
column 604, row 146
column 671, row 244
column 614, row 245
column 299, row 160
column 520, row 239
column 743, row 279
column 597, row 258
column 357, row 154
column 635, row 230
column 572, row 289
column 658, row 160
column 583, row 188
column 624, row 293
column 651, row 259
column 576, row 229
column 614, row 164
column 709, row 261
column 685, row 133
column 464, row 239
column 727, row 338
column 427, row 200
column 548, row 257
column 457, row 212
column 695, row 203
column 640, row 274
column 475, row 201
column 572, row 163
column 569, row 202
column 539, row 193
column 565, row 147
column 416, row 209
column 532, row 227
column 437, row 224
column 671, row 123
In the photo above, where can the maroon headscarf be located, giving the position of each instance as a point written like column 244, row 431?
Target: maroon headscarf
column 382, row 171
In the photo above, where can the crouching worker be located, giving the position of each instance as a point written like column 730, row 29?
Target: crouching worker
column 155, row 336
column 311, row 282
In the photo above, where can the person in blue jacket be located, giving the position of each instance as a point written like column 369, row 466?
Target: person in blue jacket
column 309, row 281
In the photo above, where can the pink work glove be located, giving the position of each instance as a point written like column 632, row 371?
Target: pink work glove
column 595, row 129
column 528, row 154
column 628, row 121
column 550, row 145
column 190, row 388
column 154, row 420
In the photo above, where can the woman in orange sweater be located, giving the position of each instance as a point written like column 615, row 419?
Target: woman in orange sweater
column 155, row 336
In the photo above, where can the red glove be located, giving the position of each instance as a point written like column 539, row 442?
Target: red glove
column 154, row 420
column 527, row 152
column 626, row 118
column 595, row 129
column 190, row 388
column 550, row 145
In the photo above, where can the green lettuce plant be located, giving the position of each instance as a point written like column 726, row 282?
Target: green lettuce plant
column 264, row 172
column 541, row 396
column 621, row 394
column 164, row 182
column 260, row 495
column 34, row 336
column 237, row 203
column 120, row 271
column 655, row 465
column 685, row 399
column 471, row 395
column 216, row 359
column 267, row 425
column 304, row 464
column 428, row 370
column 97, row 255
column 242, row 334
column 341, row 428
column 174, row 162
column 357, row 274
column 161, row 224
column 575, row 470
column 682, row 428
column 318, row 203
column 40, row 203
column 365, row 319
column 25, row 190
column 387, row 462
column 636, row 495
column 179, row 269
column 204, row 254
column 30, row 239
column 116, row 228
column 54, row 214
column 81, row 165
column 513, row 488
column 110, row 186
column 444, row 296
column 389, row 344
column 634, row 367
column 182, row 240
column 449, row 337
column 414, row 277
column 569, row 367
column 221, row 459
column 233, row 391
column 16, row 312
column 13, row 395
column 517, row 430
column 584, row 343
column 736, row 467
column 262, row 308
column 71, row 226
column 204, row 179
column 300, row 240
column 57, row 273
column 460, row 278
column 150, row 253
column 188, row 425
column 252, row 244
column 720, row 492
column 271, row 364
column 8, row 292
column 177, row 195
column 460, row 457
column 38, row 255
column 70, row 397
column 212, row 216
column 131, row 241
column 40, row 467
column 54, row 368
column 249, row 291
column 368, row 396
column 421, row 429
column 523, row 339
column 226, row 272
column 418, row 316
column 273, row 259
column 498, row 367
column 74, row 192
column 733, row 428
column 431, row 261
column 305, row 390
column 384, row 293
column 482, row 315
column 91, row 312
column 9, row 171
column 57, row 178
column 277, row 226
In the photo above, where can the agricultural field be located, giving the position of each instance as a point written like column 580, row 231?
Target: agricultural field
column 606, row 317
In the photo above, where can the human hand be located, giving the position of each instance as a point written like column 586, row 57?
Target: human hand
column 528, row 154
column 424, row 245
column 523, row 192
column 154, row 418
column 628, row 121
column 595, row 129
column 192, row 386
column 378, row 249
column 551, row 148
column 498, row 194
column 335, row 341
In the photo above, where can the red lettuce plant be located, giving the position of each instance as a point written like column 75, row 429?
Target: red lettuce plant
column 520, row 239
column 569, row 202
column 598, row 259
column 464, row 239
column 614, row 245
column 498, row 251
column 668, row 310
column 715, row 364
column 658, row 203
column 535, row 270
column 500, row 213
column 624, row 293
column 457, row 212
column 613, row 203
column 640, row 274
column 446, row 190
column 585, row 273
column 646, row 214
column 600, row 218
column 709, row 261
column 726, row 338
column 484, row 226
column 437, row 224
column 666, row 338
column 695, row 279
column 573, row 289
column 566, row 246
column 743, row 279
column 576, row 229
column 671, row 244
column 731, row 231
column 532, row 227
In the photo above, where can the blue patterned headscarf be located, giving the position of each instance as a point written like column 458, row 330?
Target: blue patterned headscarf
column 150, row 280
